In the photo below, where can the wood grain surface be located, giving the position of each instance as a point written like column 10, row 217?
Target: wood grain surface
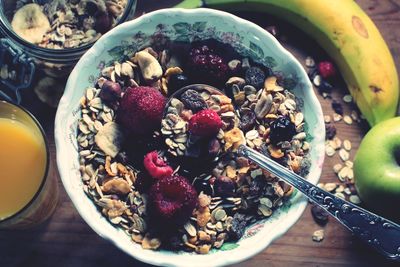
column 66, row 240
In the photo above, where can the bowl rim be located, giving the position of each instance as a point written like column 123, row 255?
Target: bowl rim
column 63, row 113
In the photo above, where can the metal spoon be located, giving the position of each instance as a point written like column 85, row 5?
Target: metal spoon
column 381, row 234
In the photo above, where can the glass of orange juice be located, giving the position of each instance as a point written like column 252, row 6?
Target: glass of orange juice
column 28, row 194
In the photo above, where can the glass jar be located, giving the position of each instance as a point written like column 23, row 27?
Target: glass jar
column 39, row 197
column 44, row 69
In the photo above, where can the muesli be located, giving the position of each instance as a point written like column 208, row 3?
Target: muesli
column 160, row 162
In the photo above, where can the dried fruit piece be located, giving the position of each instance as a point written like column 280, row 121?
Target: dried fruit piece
column 337, row 107
column 224, row 187
column 205, row 123
column 247, row 121
column 110, row 138
column 255, row 77
column 282, row 129
column 238, row 227
column 320, row 215
column 177, row 81
column 110, row 92
column 234, row 138
column 203, row 186
column 116, row 186
column 193, row 100
column 156, row 166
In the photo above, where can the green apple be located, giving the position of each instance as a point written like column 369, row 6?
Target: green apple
column 377, row 169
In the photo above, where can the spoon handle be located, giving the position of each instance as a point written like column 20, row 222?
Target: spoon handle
column 378, row 232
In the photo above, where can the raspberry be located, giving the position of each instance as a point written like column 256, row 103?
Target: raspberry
column 326, row 69
column 205, row 123
column 156, row 166
column 141, row 109
column 207, row 65
column 172, row 199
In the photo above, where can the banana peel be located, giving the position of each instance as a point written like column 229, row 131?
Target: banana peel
column 349, row 36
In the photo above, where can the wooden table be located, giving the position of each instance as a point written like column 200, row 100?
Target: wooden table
column 66, row 240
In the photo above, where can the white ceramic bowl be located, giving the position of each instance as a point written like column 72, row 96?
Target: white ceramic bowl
column 185, row 25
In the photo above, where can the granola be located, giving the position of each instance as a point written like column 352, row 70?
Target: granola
column 63, row 24
column 231, row 192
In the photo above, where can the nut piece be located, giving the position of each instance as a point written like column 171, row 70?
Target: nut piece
column 263, row 105
column 109, row 139
column 149, row 65
column 116, row 186
column 318, row 236
column 151, row 243
column 203, row 249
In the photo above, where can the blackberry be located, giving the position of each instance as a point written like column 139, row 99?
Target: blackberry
column 255, row 77
column 282, row 129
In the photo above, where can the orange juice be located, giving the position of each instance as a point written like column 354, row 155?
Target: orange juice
column 23, row 162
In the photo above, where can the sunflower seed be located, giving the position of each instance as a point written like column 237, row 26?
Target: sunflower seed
column 347, row 145
column 347, row 98
column 330, row 151
column 264, row 210
column 337, row 117
column 337, row 167
column 347, row 119
column 330, row 187
column 340, row 195
column 310, row 62
column 355, row 199
column 190, row 229
column 343, row 154
column 251, row 135
column 218, row 214
column 300, row 136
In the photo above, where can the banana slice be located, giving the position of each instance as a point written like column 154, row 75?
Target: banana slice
column 30, row 23
column 109, row 139
column 50, row 90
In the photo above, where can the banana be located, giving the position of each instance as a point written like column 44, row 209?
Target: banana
column 349, row 36
column 30, row 23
